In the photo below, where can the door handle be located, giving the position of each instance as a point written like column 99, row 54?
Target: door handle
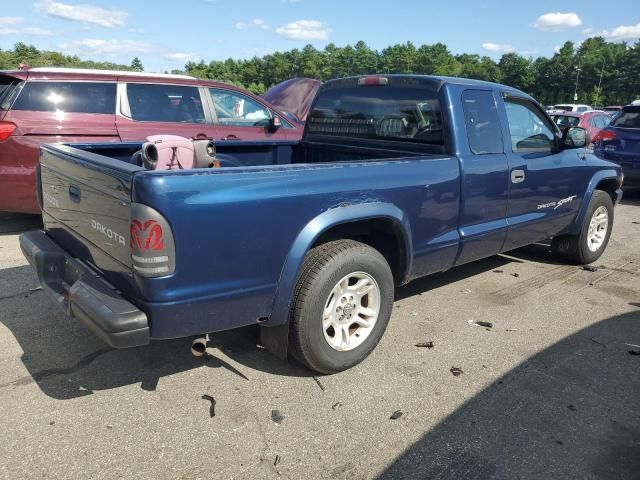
column 74, row 193
column 517, row 176
column 231, row 137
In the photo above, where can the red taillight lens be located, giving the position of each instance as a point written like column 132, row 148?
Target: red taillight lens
column 373, row 81
column 151, row 243
column 6, row 129
column 605, row 135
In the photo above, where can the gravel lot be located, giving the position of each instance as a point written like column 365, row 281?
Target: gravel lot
column 550, row 391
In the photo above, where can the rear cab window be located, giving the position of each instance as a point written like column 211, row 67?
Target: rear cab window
column 629, row 118
column 393, row 109
column 164, row 103
column 68, row 97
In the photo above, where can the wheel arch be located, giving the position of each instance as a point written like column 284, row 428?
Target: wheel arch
column 345, row 221
column 606, row 180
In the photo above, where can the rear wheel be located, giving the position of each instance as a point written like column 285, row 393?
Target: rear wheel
column 591, row 242
column 341, row 307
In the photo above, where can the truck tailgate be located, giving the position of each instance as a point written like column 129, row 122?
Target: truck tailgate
column 86, row 203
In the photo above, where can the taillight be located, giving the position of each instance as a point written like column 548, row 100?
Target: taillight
column 604, row 136
column 373, row 81
column 151, row 242
column 6, row 129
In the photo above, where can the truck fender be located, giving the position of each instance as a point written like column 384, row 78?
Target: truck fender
column 599, row 176
column 272, row 332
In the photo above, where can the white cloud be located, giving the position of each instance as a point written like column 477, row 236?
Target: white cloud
column 109, row 48
column 557, row 21
column 498, row 47
column 182, row 57
column 623, row 32
column 305, row 30
column 256, row 22
column 84, row 13
column 14, row 26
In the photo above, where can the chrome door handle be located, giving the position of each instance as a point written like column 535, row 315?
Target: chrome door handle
column 517, row 176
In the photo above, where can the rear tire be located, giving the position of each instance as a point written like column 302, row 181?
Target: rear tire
column 591, row 242
column 341, row 306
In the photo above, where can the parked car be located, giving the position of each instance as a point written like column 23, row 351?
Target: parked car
column 571, row 107
column 293, row 97
column 592, row 121
column 620, row 143
column 396, row 177
column 612, row 109
column 74, row 105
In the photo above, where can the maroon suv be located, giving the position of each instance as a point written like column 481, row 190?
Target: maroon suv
column 43, row 105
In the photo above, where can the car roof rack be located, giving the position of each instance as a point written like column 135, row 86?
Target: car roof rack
column 107, row 72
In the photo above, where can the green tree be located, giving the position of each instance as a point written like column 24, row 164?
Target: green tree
column 136, row 64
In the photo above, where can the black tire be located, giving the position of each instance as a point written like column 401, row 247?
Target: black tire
column 576, row 247
column 322, row 269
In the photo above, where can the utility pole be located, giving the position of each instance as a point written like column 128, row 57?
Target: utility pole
column 599, row 84
column 575, row 92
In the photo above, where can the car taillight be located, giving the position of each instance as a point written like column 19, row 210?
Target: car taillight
column 151, row 242
column 373, row 81
column 6, row 129
column 604, row 136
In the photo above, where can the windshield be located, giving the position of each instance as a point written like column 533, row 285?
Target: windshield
column 629, row 118
column 398, row 109
column 564, row 108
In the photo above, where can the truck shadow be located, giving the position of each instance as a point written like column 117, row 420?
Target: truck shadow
column 571, row 411
column 67, row 361
column 12, row 223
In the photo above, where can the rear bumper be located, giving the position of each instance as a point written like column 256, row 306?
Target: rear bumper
column 83, row 294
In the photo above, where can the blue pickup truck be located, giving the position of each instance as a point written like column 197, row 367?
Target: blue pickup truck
column 396, row 177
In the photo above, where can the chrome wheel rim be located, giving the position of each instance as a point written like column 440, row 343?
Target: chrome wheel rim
column 351, row 311
column 598, row 229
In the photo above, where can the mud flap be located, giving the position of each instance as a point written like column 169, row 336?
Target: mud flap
column 275, row 339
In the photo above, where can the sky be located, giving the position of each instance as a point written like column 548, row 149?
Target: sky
column 166, row 34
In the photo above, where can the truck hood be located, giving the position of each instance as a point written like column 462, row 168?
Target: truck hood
column 293, row 96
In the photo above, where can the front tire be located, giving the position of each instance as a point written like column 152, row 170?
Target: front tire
column 341, row 307
column 591, row 242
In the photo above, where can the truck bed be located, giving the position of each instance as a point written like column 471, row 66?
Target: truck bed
column 236, row 226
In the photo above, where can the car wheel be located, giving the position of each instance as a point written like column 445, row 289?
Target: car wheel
column 341, row 307
column 591, row 242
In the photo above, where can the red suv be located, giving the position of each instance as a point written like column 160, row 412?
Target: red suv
column 593, row 121
column 43, row 105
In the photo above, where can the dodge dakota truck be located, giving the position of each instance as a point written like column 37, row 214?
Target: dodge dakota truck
column 395, row 177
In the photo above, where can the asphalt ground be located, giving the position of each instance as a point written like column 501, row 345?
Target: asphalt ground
column 551, row 390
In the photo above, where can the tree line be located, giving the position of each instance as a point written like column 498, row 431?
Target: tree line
column 607, row 73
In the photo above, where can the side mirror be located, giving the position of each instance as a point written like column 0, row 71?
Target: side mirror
column 274, row 123
column 575, row 137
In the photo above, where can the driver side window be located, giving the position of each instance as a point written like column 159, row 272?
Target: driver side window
column 235, row 109
column 529, row 130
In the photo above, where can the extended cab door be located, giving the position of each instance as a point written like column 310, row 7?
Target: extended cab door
column 240, row 117
column 546, row 183
column 161, row 109
column 483, row 225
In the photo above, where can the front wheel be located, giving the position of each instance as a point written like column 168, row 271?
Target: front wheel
column 341, row 307
column 591, row 242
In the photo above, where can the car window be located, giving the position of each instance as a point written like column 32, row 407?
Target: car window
column 165, row 103
column 401, row 110
column 483, row 125
column 629, row 118
column 529, row 131
column 68, row 97
column 582, row 109
column 602, row 121
column 565, row 121
column 234, row 109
